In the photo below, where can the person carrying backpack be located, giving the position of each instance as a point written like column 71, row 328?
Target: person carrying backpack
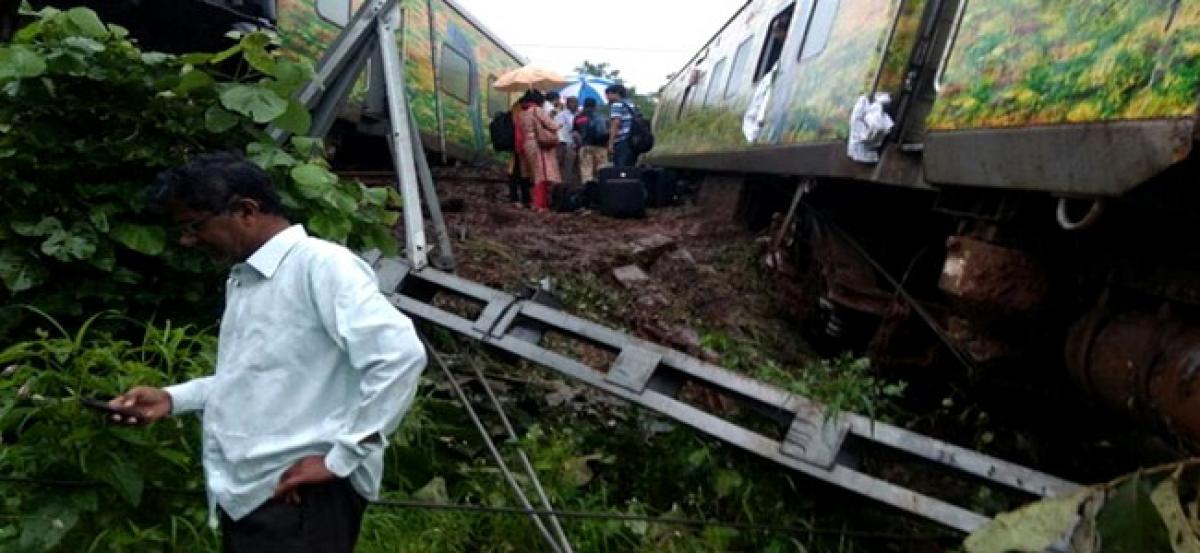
column 629, row 134
column 591, row 127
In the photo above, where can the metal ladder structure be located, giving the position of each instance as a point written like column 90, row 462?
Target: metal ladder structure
column 792, row 431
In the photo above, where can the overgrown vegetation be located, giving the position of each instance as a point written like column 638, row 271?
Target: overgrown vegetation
column 86, row 121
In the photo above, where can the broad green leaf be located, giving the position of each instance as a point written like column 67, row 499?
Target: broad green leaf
column 193, row 80
column 728, row 482
column 330, row 225
column 374, row 195
column 86, row 22
column 308, row 146
column 89, row 45
column 576, row 472
column 124, row 478
column 313, row 181
column 395, row 200
column 117, row 31
column 433, row 491
column 99, row 219
column 140, row 238
column 268, row 155
column 104, row 259
column 1166, row 499
column 390, row 218
column 20, row 272
column 1129, row 522
column 47, row 525
column 379, row 237
column 19, row 62
column 218, row 120
column 340, row 200
column 154, row 58
column 295, row 120
column 254, row 49
column 292, row 73
column 45, row 227
column 1032, row 528
column 255, row 102
column 64, row 246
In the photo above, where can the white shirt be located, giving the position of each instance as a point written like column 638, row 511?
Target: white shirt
column 566, row 124
column 312, row 360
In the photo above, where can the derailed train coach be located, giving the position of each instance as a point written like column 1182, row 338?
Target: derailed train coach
column 1038, row 186
column 450, row 57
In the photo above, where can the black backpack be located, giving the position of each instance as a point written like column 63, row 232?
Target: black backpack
column 504, row 135
column 595, row 133
column 641, row 138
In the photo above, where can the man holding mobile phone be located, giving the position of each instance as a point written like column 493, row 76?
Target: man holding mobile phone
column 315, row 368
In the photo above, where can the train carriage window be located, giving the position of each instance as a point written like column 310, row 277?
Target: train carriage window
column 777, row 33
column 497, row 100
column 714, row 84
column 455, row 74
column 737, row 73
column 701, row 87
column 334, row 11
column 819, row 28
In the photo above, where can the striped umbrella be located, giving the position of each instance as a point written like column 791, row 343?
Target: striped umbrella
column 586, row 86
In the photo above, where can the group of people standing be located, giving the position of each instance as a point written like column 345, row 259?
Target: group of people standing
column 560, row 143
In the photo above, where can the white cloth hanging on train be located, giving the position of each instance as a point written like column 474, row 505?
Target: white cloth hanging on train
column 869, row 126
column 756, row 114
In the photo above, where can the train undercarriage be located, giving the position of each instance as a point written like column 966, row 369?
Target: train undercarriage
column 1100, row 293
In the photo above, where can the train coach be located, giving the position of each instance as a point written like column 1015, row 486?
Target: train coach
column 1038, row 186
column 450, row 57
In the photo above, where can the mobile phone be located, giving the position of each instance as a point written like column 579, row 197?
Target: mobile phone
column 104, row 407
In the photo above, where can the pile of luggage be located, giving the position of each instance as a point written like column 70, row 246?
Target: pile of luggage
column 621, row 192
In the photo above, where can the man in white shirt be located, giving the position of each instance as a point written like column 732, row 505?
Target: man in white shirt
column 315, row 368
column 568, row 161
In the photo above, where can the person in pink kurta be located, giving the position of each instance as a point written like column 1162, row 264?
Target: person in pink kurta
column 539, row 161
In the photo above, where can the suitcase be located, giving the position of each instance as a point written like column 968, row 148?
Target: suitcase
column 660, row 188
column 566, row 198
column 622, row 193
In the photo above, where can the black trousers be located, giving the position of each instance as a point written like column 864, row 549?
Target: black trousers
column 327, row 520
column 518, row 186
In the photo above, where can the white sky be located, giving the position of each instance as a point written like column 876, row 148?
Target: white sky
column 655, row 39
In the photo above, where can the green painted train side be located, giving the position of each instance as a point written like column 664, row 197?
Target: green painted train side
column 1043, row 62
column 452, row 113
column 812, row 97
column 1017, row 66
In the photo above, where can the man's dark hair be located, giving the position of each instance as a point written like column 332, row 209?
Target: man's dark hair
column 533, row 96
column 618, row 89
column 589, row 103
column 551, row 96
column 209, row 182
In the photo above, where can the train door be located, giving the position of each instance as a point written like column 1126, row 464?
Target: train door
column 772, row 49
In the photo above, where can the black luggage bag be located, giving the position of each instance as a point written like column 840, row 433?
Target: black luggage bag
column 622, row 193
column 660, row 188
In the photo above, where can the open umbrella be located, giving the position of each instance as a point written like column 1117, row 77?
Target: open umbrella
column 586, row 86
column 525, row 78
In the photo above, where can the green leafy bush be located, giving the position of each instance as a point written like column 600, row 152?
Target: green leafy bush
column 86, row 121
column 143, row 486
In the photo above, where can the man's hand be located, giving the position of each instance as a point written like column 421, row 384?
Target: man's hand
column 309, row 470
column 151, row 404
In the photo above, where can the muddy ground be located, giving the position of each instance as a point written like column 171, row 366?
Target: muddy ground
column 698, row 274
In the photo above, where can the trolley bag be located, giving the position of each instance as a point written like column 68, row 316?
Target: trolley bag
column 622, row 192
column 660, row 188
